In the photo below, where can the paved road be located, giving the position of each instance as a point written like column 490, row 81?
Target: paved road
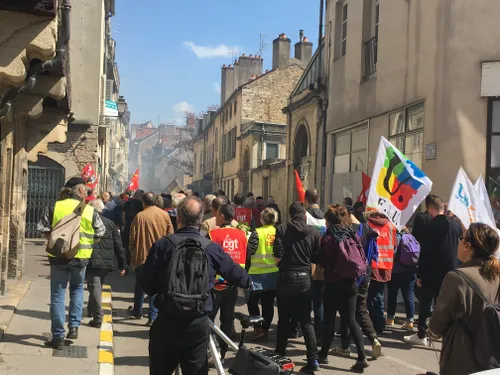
column 131, row 343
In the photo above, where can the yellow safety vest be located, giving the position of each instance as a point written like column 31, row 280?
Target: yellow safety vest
column 64, row 208
column 263, row 260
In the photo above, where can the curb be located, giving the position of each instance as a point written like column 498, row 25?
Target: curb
column 106, row 353
column 10, row 302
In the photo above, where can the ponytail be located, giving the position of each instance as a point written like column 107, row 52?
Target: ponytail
column 490, row 269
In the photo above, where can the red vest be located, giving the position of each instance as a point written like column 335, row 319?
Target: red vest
column 233, row 241
column 386, row 242
column 243, row 215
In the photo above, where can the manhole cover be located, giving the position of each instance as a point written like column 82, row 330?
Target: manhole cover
column 71, row 351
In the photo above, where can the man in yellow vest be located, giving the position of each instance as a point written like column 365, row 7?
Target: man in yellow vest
column 234, row 243
column 73, row 271
column 263, row 270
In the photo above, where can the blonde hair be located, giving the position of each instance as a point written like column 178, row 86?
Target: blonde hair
column 269, row 216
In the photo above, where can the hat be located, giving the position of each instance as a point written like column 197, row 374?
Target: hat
column 72, row 182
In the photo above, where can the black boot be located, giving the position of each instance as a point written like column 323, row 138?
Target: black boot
column 73, row 333
column 57, row 344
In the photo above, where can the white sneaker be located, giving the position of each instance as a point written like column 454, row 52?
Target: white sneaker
column 414, row 339
column 376, row 349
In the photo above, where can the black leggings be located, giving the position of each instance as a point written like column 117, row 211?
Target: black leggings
column 341, row 297
column 266, row 298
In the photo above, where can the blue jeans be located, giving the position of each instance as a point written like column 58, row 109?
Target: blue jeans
column 139, row 297
column 318, row 287
column 376, row 305
column 406, row 282
column 60, row 275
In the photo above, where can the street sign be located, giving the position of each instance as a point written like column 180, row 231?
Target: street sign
column 110, row 108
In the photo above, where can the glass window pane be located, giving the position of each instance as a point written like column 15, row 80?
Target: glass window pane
column 397, row 123
column 495, row 151
column 416, row 117
column 344, row 47
column 343, row 144
column 341, row 164
column 360, row 139
column 414, row 146
column 344, row 12
column 344, row 30
column 358, row 161
column 495, row 119
column 271, row 151
column 399, row 143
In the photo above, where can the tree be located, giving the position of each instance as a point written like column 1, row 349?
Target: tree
column 182, row 157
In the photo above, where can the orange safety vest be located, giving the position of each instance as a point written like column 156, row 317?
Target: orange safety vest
column 234, row 242
column 386, row 243
column 243, row 215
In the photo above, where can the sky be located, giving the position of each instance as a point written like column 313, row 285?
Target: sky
column 169, row 53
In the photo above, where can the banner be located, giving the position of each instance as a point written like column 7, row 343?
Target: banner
column 484, row 197
column 398, row 186
column 134, row 182
column 363, row 196
column 89, row 176
column 301, row 194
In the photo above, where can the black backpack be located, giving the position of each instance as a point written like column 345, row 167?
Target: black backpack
column 486, row 339
column 186, row 288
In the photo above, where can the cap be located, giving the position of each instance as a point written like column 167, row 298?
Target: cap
column 74, row 181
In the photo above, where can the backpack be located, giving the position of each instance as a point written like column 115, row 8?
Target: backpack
column 64, row 238
column 486, row 339
column 409, row 250
column 351, row 260
column 186, row 283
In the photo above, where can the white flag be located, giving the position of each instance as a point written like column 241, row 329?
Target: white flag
column 398, row 186
column 463, row 199
column 485, row 212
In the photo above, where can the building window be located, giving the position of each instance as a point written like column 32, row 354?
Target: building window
column 406, row 132
column 230, row 111
column 235, row 107
column 493, row 152
column 351, row 150
column 343, row 39
column 272, row 151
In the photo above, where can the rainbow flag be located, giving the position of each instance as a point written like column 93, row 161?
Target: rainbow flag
column 398, row 186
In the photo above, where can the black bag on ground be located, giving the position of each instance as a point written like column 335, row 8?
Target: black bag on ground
column 186, row 281
column 486, row 339
column 248, row 362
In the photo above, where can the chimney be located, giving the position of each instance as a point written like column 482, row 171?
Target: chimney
column 281, row 51
column 303, row 49
column 226, row 83
column 236, row 82
column 249, row 66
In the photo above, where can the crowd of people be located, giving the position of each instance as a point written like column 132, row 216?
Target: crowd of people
column 313, row 266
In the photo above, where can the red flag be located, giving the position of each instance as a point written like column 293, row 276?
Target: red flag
column 134, row 182
column 89, row 175
column 301, row 194
column 363, row 196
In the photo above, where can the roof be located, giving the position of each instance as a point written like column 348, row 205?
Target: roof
column 312, row 72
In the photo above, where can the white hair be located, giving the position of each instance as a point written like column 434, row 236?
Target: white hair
column 98, row 204
column 177, row 199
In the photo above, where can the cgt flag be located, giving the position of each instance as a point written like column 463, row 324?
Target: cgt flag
column 134, row 182
column 398, row 186
column 301, row 194
column 89, row 176
column 366, row 181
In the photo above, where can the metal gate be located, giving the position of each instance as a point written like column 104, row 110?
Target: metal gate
column 45, row 180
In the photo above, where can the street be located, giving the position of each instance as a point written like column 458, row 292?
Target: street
column 22, row 350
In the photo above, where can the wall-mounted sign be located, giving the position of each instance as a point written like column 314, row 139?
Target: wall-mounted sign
column 110, row 108
column 430, row 151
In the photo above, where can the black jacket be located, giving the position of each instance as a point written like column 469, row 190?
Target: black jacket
column 108, row 250
column 220, row 263
column 297, row 245
column 418, row 230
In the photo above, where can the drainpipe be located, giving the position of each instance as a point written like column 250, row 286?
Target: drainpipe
column 62, row 44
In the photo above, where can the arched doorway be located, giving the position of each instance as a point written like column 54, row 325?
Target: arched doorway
column 301, row 149
column 45, row 180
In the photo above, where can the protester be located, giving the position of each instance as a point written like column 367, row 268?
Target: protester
column 108, row 254
column 368, row 239
column 381, row 267
column 176, row 339
column 272, row 204
column 172, row 212
column 148, row 227
column 109, row 204
column 340, row 284
column 262, row 268
column 90, row 195
column 259, row 201
column 130, row 210
column 404, row 277
column 167, row 202
column 211, row 224
column 359, row 211
column 438, row 256
column 72, row 271
column 243, row 214
column 250, row 204
column 421, row 220
column 315, row 218
column 207, row 206
column 463, row 295
column 159, row 201
column 348, row 202
column 296, row 247
column 234, row 243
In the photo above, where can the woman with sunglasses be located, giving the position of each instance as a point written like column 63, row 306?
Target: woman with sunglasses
column 459, row 307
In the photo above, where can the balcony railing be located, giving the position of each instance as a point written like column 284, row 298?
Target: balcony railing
column 371, row 49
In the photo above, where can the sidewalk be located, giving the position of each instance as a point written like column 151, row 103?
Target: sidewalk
column 22, row 349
